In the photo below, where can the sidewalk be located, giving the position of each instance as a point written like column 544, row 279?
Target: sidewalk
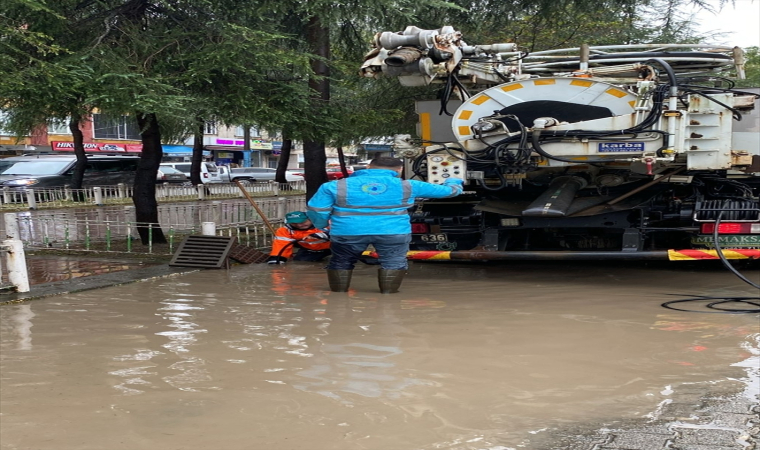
column 95, row 281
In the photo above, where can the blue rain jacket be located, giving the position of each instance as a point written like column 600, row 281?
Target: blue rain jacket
column 372, row 201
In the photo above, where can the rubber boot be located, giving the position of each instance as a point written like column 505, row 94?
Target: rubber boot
column 390, row 280
column 339, row 279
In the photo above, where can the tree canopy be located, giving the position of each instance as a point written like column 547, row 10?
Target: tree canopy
column 286, row 66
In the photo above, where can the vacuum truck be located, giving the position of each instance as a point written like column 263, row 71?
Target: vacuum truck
column 641, row 151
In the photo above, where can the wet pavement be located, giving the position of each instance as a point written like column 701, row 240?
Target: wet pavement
column 477, row 357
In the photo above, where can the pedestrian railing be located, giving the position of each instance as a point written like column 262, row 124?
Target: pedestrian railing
column 115, row 229
column 121, row 194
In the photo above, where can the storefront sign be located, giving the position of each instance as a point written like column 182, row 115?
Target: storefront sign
column 91, row 147
column 256, row 144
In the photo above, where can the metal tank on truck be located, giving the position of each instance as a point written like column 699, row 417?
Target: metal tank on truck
column 618, row 152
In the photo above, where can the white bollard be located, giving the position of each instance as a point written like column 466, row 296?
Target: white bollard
column 11, row 226
column 208, row 229
column 15, row 260
column 97, row 190
column 30, row 199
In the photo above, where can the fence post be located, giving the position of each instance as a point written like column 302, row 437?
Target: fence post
column 11, row 226
column 6, row 194
column 201, row 192
column 67, row 193
column 30, row 199
column 15, row 260
column 216, row 211
column 98, row 195
column 122, row 189
column 281, row 205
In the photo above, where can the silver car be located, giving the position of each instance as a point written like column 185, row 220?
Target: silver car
column 255, row 174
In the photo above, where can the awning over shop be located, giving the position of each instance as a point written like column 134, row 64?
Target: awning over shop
column 180, row 150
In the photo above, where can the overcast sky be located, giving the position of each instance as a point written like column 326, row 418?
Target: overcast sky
column 741, row 21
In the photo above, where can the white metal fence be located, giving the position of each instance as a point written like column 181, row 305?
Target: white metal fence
column 115, row 229
column 33, row 199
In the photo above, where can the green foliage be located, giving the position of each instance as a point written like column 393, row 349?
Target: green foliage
column 751, row 68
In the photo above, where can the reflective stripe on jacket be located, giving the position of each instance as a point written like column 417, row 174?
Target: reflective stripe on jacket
column 371, row 201
column 286, row 238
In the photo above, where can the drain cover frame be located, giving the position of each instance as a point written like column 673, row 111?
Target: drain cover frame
column 201, row 251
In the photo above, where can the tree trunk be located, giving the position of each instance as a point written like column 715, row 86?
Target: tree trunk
column 315, row 161
column 314, row 155
column 247, row 144
column 78, row 175
column 282, row 164
column 342, row 162
column 144, row 199
column 197, row 158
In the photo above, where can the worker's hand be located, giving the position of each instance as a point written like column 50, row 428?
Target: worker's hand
column 277, row 260
column 451, row 181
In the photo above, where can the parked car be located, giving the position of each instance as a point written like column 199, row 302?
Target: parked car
column 168, row 174
column 209, row 171
column 334, row 173
column 43, row 171
column 260, row 174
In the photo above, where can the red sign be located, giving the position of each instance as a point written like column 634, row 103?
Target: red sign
column 93, row 147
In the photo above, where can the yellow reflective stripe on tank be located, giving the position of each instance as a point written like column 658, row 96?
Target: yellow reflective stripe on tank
column 582, row 83
column 616, row 92
column 480, row 99
column 464, row 130
column 465, row 115
column 544, row 81
column 512, row 87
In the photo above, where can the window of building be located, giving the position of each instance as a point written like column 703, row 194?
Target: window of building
column 59, row 127
column 3, row 118
column 254, row 131
column 123, row 127
column 209, row 128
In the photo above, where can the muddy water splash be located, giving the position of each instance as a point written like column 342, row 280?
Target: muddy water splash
column 465, row 357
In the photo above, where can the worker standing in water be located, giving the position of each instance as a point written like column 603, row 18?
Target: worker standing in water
column 299, row 232
column 370, row 207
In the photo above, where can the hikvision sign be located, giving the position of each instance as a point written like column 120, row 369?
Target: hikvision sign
column 92, row 147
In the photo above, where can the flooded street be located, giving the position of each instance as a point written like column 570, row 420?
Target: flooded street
column 476, row 357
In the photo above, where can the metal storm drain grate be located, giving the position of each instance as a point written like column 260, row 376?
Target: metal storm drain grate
column 247, row 255
column 203, row 251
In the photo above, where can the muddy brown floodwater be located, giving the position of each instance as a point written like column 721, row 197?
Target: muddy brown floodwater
column 465, row 357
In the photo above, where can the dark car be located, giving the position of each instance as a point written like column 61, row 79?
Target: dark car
column 168, row 174
column 48, row 171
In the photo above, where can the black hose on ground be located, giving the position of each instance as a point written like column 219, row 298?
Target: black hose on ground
column 719, row 250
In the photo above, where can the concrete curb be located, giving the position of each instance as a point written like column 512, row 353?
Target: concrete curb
column 94, row 282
